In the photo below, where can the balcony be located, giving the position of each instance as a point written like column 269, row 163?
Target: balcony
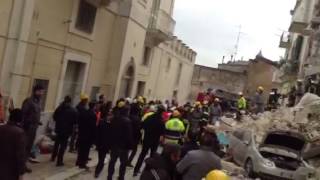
column 285, row 40
column 300, row 16
column 160, row 29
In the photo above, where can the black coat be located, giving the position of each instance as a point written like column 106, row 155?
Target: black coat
column 12, row 152
column 103, row 138
column 31, row 109
column 121, row 132
column 153, row 128
column 65, row 117
column 158, row 168
column 87, row 125
column 136, row 128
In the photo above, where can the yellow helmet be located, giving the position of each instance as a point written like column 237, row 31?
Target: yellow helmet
column 84, row 96
column 176, row 113
column 140, row 100
column 121, row 104
column 217, row 175
column 198, row 103
column 260, row 88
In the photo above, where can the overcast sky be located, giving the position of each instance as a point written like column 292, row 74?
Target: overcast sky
column 211, row 27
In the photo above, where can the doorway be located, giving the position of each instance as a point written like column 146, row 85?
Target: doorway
column 73, row 80
column 126, row 83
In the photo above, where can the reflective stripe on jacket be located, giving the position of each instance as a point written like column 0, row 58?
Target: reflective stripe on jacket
column 174, row 130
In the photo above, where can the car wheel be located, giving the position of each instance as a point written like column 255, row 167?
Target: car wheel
column 249, row 169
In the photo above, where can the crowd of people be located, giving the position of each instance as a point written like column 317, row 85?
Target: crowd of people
column 190, row 146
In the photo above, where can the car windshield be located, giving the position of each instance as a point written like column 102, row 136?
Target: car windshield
column 285, row 141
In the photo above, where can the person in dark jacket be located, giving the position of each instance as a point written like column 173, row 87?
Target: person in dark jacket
column 198, row 163
column 135, row 118
column 31, row 112
column 154, row 129
column 121, row 133
column 191, row 143
column 162, row 167
column 12, row 151
column 87, row 127
column 103, row 141
column 65, row 117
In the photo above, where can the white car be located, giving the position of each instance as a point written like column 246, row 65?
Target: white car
column 277, row 157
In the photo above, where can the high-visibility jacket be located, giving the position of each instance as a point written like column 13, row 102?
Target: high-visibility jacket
column 174, row 130
column 242, row 103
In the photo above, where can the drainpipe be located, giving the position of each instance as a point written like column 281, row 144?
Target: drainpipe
column 14, row 57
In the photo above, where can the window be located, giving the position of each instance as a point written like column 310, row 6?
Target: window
column 146, row 56
column 168, row 65
column 140, row 88
column 179, row 73
column 86, row 17
column 175, row 95
column 94, row 92
column 45, row 84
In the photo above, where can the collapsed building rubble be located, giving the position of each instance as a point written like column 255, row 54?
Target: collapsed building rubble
column 304, row 118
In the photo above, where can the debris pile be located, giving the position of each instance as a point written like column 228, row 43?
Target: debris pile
column 303, row 118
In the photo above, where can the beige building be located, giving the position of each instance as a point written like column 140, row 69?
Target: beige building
column 119, row 48
column 216, row 78
column 237, row 76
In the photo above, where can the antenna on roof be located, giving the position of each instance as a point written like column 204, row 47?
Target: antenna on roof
column 222, row 59
column 238, row 42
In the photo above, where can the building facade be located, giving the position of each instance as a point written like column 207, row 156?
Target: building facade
column 237, row 76
column 302, row 58
column 120, row 48
column 216, row 78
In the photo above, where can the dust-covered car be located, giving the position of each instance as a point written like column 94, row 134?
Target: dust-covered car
column 278, row 156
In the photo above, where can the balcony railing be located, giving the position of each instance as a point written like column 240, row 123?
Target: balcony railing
column 161, row 27
column 285, row 40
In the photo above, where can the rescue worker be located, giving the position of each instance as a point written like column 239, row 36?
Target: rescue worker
column 206, row 113
column 242, row 106
column 103, row 142
column 81, row 108
column 31, row 112
column 273, row 99
column 87, row 127
column 196, row 116
column 174, row 129
column 217, row 175
column 121, row 142
column 154, row 129
column 65, row 117
column 135, row 119
column 215, row 112
column 258, row 101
